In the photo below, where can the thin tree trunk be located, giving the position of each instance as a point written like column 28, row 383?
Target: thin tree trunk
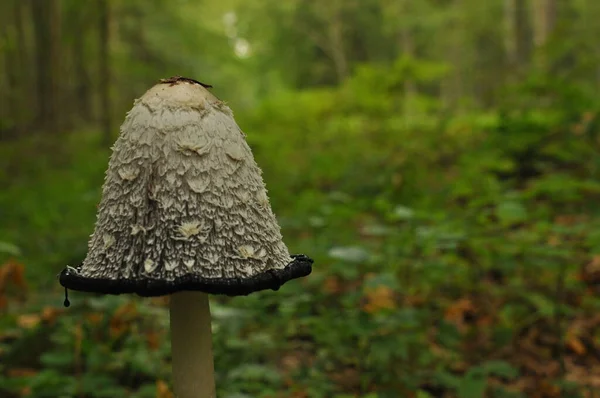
column 336, row 42
column 453, row 86
column 593, row 31
column 104, row 73
column 12, row 90
column 24, row 75
column 7, row 71
column 408, row 51
column 20, row 30
column 46, row 23
column 544, row 20
column 83, row 80
column 518, row 35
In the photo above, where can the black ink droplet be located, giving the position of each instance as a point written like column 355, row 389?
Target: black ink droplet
column 66, row 303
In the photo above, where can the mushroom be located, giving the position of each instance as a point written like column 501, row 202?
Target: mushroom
column 184, row 212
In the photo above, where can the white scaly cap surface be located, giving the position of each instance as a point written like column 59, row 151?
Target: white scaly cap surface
column 183, row 195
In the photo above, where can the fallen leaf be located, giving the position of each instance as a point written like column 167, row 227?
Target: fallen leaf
column 162, row 390
column 379, row 298
column 546, row 389
column 28, row 321
column 21, row 372
column 122, row 318
column 12, row 275
column 458, row 312
column 485, row 321
column 153, row 339
column 413, row 301
column 588, row 116
column 332, row 285
column 49, row 314
column 347, row 379
column 594, row 264
column 290, row 362
column 590, row 271
column 554, row 240
column 95, row 318
column 574, row 344
column 583, row 374
column 566, row 219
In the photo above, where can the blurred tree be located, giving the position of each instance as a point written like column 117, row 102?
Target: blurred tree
column 104, row 68
column 544, row 19
column 46, row 26
column 61, row 59
column 518, row 36
column 70, row 56
column 80, row 20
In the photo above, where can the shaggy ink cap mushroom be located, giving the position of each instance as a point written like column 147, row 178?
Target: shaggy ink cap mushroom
column 184, row 206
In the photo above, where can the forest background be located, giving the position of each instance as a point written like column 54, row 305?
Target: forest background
column 439, row 159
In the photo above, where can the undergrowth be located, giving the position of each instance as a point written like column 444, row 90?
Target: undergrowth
column 454, row 257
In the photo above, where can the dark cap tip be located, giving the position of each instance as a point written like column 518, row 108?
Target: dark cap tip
column 178, row 79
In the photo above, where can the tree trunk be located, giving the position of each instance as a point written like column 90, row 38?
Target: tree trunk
column 46, row 25
column 21, row 40
column 104, row 70
column 336, row 42
column 544, row 19
column 83, row 81
column 518, row 35
column 10, row 100
column 24, row 76
column 453, row 86
column 408, row 52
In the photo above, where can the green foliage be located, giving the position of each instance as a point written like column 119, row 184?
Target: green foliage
column 57, row 192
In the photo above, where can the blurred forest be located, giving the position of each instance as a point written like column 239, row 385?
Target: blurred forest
column 439, row 159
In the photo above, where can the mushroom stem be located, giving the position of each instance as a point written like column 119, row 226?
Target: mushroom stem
column 191, row 345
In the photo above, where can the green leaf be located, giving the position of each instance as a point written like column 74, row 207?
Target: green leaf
column 403, row 213
column 501, row 369
column 57, row 359
column 101, row 386
column 543, row 304
column 511, row 212
column 447, row 379
column 473, row 385
column 355, row 254
column 255, row 372
column 10, row 249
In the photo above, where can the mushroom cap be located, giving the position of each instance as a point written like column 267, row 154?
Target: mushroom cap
column 184, row 205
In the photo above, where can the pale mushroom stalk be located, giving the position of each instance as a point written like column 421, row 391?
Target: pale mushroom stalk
column 191, row 345
column 184, row 212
